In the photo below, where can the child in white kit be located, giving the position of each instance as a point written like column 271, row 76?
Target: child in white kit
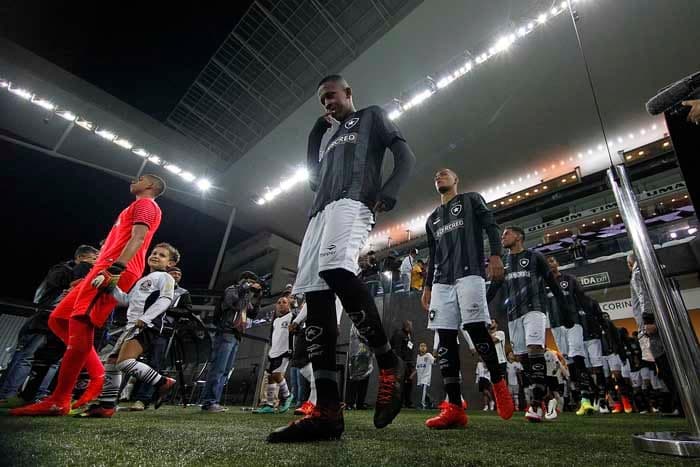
column 424, row 367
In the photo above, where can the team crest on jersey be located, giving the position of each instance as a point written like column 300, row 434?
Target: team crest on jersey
column 146, row 285
column 351, row 123
column 431, row 315
column 524, row 262
column 456, row 209
column 564, row 284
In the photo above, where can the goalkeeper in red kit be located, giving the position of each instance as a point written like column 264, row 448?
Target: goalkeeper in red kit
column 121, row 262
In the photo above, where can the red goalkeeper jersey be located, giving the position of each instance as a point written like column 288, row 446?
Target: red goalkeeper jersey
column 142, row 211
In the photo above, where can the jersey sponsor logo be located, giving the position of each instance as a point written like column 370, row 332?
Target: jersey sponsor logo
column 517, row 275
column 524, row 262
column 351, row 123
column 456, row 209
column 436, row 221
column 344, row 139
column 482, row 348
column 330, row 250
column 449, row 227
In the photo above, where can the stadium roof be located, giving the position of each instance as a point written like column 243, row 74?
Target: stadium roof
column 526, row 108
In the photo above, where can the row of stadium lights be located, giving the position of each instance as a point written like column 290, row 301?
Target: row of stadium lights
column 501, row 45
column 419, row 221
column 201, row 183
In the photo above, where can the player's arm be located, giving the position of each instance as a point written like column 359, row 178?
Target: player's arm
column 550, row 281
column 495, row 270
column 313, row 165
column 427, row 287
column 404, row 160
column 109, row 277
column 161, row 305
column 299, row 320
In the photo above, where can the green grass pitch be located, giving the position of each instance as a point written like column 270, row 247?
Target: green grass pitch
column 179, row 436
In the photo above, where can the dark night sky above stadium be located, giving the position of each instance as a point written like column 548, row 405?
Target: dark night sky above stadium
column 145, row 57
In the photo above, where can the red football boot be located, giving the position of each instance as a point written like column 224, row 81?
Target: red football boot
column 162, row 392
column 92, row 392
column 451, row 416
column 306, row 408
column 46, row 407
column 504, row 401
column 627, row 405
column 98, row 411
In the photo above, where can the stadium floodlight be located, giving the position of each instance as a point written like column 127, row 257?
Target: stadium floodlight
column 692, row 231
column 125, row 143
column 393, row 115
column 84, row 124
column 674, row 235
column 287, row 184
column 203, row 184
column 155, row 159
column 269, row 196
column 67, row 115
column 187, row 176
column 173, row 168
column 140, row 152
column 542, row 18
column 21, row 92
column 4, row 83
column 302, row 174
column 106, row 134
column 260, row 201
column 43, row 103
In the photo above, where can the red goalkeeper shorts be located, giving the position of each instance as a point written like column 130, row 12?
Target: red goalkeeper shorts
column 84, row 299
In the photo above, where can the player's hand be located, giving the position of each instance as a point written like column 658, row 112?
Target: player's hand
column 293, row 327
column 108, row 278
column 328, row 117
column 425, row 298
column 140, row 324
column 694, row 114
column 495, row 271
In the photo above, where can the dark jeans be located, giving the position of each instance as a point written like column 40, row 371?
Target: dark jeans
column 223, row 355
column 21, row 364
column 156, row 354
column 408, row 385
column 357, row 393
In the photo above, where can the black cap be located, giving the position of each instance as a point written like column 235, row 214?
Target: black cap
column 250, row 275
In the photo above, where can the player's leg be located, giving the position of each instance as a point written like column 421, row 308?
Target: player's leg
column 308, row 406
column 127, row 364
column 285, row 396
column 579, row 372
column 475, row 318
column 445, row 318
column 534, row 324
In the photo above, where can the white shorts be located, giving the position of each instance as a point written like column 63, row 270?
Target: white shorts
column 527, row 330
column 560, row 338
column 333, row 240
column 451, row 306
column 594, row 350
column 626, row 373
column 646, row 373
column 574, row 341
column 636, row 379
column 612, row 362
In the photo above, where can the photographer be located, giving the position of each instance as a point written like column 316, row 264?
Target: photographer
column 239, row 302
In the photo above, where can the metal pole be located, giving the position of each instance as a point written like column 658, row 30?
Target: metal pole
column 222, row 249
column 672, row 322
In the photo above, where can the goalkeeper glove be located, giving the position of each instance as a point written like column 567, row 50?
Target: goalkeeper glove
column 108, row 278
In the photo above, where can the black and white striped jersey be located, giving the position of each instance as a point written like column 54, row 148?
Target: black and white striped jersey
column 345, row 159
column 456, row 239
column 526, row 276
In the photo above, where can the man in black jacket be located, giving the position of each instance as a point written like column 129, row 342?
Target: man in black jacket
column 403, row 344
column 35, row 336
column 239, row 302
